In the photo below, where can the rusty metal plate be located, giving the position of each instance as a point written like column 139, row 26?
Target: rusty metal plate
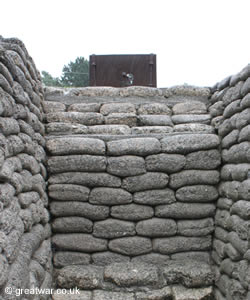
column 122, row 70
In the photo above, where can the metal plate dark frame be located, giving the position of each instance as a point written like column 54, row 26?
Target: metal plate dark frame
column 112, row 70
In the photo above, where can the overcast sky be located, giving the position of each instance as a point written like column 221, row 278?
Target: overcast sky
column 197, row 42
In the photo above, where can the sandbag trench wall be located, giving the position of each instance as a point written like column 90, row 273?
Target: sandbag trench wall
column 130, row 197
column 177, row 141
column 25, row 252
column 230, row 110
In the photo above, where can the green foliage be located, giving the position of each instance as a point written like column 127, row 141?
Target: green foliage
column 74, row 74
column 48, row 80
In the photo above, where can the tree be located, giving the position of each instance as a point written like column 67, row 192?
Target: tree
column 48, row 80
column 76, row 73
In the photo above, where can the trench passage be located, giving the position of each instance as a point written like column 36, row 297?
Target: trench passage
column 132, row 187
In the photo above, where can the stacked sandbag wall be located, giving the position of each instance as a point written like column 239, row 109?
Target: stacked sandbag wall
column 146, row 111
column 147, row 199
column 25, row 252
column 230, row 110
